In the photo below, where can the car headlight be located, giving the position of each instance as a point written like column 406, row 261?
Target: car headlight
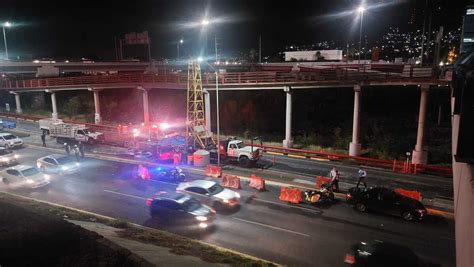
column 237, row 195
column 77, row 164
column 11, row 142
column 29, row 181
column 47, row 177
column 225, row 200
column 203, row 225
column 64, row 168
column 3, row 159
column 16, row 156
column 201, row 218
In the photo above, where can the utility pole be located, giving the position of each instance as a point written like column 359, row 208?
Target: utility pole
column 259, row 48
column 215, row 46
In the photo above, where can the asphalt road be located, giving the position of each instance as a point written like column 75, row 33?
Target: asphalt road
column 262, row 227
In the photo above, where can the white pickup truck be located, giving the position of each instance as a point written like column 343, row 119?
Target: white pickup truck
column 65, row 132
column 233, row 149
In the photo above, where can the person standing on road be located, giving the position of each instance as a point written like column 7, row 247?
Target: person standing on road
column 43, row 139
column 81, row 149
column 361, row 173
column 76, row 152
column 334, row 175
column 67, row 148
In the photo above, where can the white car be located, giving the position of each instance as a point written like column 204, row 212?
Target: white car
column 210, row 193
column 58, row 163
column 7, row 157
column 24, row 176
column 9, row 140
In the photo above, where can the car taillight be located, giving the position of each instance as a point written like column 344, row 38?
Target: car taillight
column 348, row 196
column 149, row 201
column 350, row 259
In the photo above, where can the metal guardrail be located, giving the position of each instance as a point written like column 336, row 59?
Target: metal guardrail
column 350, row 73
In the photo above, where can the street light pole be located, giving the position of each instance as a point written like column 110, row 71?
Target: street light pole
column 217, row 120
column 177, row 48
column 361, row 12
column 6, row 24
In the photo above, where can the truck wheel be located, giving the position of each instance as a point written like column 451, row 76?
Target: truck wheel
column 5, row 181
column 91, row 141
column 244, row 161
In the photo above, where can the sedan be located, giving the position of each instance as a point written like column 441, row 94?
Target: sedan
column 23, row 175
column 210, row 193
column 384, row 200
column 181, row 209
column 378, row 253
column 58, row 163
column 7, row 157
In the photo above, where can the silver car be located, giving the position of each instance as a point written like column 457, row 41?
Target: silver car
column 9, row 140
column 58, row 163
column 210, row 193
column 7, row 157
column 24, row 176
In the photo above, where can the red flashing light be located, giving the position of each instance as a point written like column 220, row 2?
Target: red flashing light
column 149, row 201
column 350, row 259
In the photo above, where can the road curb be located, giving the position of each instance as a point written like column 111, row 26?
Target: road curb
column 138, row 226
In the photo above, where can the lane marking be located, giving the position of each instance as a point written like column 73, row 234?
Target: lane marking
column 301, row 181
column 271, row 227
column 286, row 205
column 126, row 195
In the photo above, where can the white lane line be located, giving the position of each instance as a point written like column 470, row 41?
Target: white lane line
column 126, row 195
column 301, row 181
column 286, row 205
column 270, row 226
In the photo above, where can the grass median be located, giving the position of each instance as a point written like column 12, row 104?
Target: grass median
column 177, row 244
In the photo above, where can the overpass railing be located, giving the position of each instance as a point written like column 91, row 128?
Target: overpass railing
column 304, row 74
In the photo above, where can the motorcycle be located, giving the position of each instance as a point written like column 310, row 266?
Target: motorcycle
column 322, row 194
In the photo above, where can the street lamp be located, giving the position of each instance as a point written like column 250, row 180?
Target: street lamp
column 361, row 10
column 204, row 22
column 177, row 47
column 6, row 25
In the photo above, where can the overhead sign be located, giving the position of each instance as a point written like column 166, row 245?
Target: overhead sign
column 134, row 38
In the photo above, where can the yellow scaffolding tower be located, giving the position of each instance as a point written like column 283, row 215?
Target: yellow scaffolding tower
column 196, row 131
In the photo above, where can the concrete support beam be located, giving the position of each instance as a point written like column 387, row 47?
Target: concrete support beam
column 207, row 111
column 420, row 156
column 54, row 105
column 354, row 146
column 288, row 142
column 17, row 102
column 97, row 118
column 146, row 107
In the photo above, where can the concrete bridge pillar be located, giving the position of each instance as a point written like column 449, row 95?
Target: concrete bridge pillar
column 288, row 142
column 17, row 102
column 420, row 156
column 146, row 109
column 97, row 117
column 207, row 110
column 354, row 146
column 53, row 104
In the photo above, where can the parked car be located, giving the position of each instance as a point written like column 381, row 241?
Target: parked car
column 9, row 140
column 58, row 163
column 210, row 193
column 24, row 176
column 384, row 200
column 377, row 253
column 181, row 209
column 7, row 157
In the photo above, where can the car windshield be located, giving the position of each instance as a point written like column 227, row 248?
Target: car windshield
column 9, row 137
column 240, row 145
column 30, row 172
column 4, row 152
column 191, row 204
column 215, row 189
column 64, row 160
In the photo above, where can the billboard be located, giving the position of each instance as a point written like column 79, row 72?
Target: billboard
column 467, row 42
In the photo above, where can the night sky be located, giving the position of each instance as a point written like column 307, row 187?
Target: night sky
column 74, row 29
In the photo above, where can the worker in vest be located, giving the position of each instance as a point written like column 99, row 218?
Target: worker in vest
column 334, row 175
column 361, row 173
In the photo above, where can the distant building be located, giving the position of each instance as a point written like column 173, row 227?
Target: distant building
column 467, row 44
column 314, row 55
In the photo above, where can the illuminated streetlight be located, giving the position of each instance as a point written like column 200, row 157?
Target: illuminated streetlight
column 177, row 47
column 361, row 10
column 199, row 59
column 205, row 22
column 6, row 25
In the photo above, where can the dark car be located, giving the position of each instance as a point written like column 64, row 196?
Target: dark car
column 384, row 200
column 181, row 209
column 167, row 174
column 377, row 253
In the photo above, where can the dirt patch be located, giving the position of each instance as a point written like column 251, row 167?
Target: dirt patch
column 30, row 237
